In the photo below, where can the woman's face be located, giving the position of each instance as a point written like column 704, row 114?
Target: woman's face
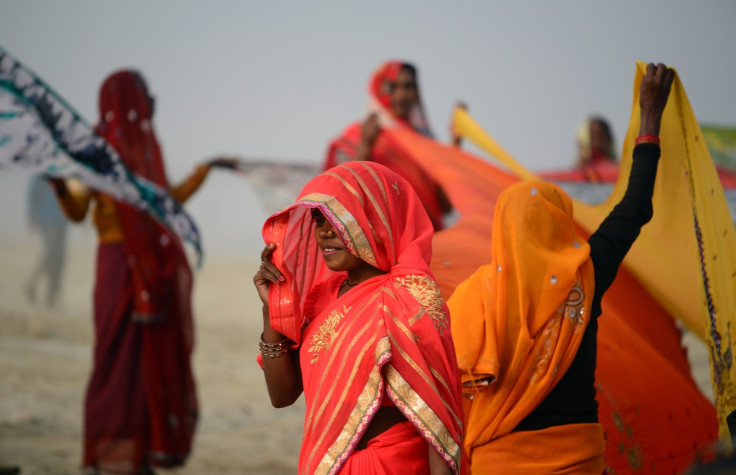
column 600, row 140
column 404, row 94
column 333, row 250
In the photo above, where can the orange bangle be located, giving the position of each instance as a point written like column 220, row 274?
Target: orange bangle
column 647, row 138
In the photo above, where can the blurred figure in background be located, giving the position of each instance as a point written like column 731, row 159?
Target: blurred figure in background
column 394, row 100
column 595, row 142
column 597, row 157
column 47, row 219
column 141, row 406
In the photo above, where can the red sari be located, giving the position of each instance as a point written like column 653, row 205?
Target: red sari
column 141, row 405
column 386, row 152
column 389, row 335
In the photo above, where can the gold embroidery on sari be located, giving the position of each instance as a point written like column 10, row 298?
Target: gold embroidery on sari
column 424, row 418
column 330, row 403
column 346, row 225
column 379, row 209
column 322, row 338
column 575, row 305
column 337, row 356
column 363, row 410
column 405, row 356
column 427, row 293
column 345, row 360
column 347, row 186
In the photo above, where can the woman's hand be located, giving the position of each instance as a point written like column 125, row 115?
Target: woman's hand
column 267, row 274
column 58, row 185
column 223, row 162
column 653, row 94
column 456, row 138
column 370, row 130
column 368, row 135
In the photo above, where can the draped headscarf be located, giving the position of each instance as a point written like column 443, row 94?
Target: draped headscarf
column 380, row 90
column 161, row 277
column 385, row 151
column 156, row 255
column 522, row 317
column 389, row 334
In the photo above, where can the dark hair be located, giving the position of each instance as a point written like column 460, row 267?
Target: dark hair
column 604, row 124
column 409, row 68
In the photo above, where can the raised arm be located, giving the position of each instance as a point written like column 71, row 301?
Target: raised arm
column 455, row 137
column 369, row 134
column 614, row 237
column 184, row 190
column 280, row 366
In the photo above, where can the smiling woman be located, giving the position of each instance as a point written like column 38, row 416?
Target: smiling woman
column 353, row 318
column 336, row 257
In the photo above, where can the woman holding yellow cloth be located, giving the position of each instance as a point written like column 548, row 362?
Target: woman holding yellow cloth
column 525, row 325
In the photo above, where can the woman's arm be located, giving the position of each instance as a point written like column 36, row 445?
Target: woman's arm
column 614, row 237
column 74, row 201
column 437, row 466
column 280, row 367
column 184, row 190
column 283, row 374
column 369, row 134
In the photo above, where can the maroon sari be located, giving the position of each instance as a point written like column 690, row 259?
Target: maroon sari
column 141, row 405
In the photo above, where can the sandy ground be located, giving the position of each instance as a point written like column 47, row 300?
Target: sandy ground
column 45, row 359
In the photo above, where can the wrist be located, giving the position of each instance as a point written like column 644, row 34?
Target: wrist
column 647, row 138
column 649, row 125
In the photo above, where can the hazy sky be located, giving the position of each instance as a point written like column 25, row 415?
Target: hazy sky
column 277, row 79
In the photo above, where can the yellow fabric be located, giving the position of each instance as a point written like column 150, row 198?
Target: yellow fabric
column 693, row 279
column 467, row 127
column 520, row 319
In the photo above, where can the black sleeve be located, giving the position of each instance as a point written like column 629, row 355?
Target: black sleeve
column 614, row 237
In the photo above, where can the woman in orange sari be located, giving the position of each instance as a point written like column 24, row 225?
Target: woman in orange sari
column 141, row 404
column 394, row 99
column 525, row 325
column 353, row 318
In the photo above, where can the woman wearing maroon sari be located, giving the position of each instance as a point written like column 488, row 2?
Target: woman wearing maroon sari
column 141, row 405
column 394, row 101
column 354, row 319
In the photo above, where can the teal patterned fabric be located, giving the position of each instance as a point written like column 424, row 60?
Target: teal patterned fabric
column 42, row 133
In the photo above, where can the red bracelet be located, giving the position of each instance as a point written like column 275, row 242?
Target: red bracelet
column 647, row 138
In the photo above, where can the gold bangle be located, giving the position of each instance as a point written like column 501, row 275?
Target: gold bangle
column 273, row 350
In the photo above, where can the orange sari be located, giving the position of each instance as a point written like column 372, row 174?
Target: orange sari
column 389, row 335
column 535, row 301
column 652, row 412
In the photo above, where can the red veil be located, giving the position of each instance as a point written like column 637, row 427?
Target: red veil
column 389, row 335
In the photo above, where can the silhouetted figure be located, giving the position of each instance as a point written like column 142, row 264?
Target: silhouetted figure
column 47, row 219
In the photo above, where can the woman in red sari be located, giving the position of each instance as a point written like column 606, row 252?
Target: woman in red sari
column 141, row 405
column 394, row 100
column 353, row 318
